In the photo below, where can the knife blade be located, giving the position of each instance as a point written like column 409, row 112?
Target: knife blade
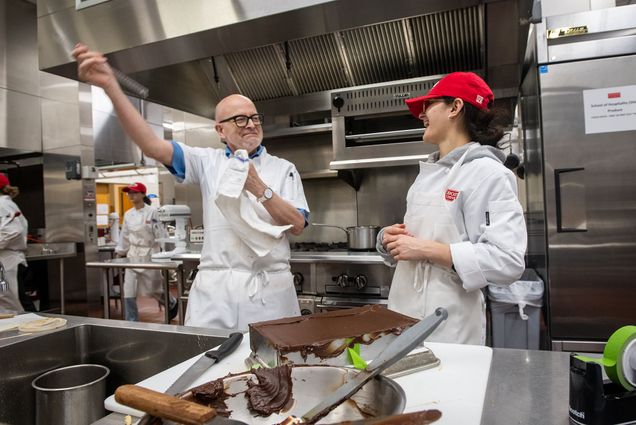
column 208, row 359
column 401, row 346
column 204, row 363
column 169, row 407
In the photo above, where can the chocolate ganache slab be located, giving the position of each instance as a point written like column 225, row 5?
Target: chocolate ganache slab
column 323, row 338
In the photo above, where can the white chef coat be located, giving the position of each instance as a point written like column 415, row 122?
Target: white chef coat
column 138, row 239
column 490, row 240
column 234, row 286
column 13, row 241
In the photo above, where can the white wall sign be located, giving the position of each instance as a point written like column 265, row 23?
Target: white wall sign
column 610, row 109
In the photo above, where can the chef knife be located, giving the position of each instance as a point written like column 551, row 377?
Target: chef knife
column 400, row 347
column 205, row 361
column 169, row 407
column 199, row 367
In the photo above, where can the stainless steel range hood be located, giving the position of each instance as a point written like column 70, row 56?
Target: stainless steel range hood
column 191, row 54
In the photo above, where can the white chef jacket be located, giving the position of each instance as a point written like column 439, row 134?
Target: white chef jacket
column 138, row 239
column 13, row 243
column 234, row 286
column 139, row 233
column 486, row 210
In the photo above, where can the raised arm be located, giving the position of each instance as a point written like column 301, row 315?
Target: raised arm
column 93, row 68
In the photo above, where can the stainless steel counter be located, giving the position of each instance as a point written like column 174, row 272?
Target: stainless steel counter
column 133, row 351
column 53, row 251
column 136, row 263
column 363, row 257
column 50, row 251
column 524, row 388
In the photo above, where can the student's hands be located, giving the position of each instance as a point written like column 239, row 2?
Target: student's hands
column 392, row 232
column 92, row 67
column 409, row 248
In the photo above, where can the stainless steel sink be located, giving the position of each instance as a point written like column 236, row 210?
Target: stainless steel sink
column 132, row 352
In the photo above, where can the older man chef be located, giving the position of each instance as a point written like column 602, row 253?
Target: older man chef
column 235, row 284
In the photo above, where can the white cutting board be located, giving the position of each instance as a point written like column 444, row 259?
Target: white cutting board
column 457, row 387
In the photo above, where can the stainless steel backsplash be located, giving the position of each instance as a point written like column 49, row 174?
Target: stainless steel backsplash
column 381, row 199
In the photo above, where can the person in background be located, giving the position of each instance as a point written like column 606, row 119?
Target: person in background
column 13, row 242
column 464, row 226
column 235, row 285
column 113, row 228
column 138, row 239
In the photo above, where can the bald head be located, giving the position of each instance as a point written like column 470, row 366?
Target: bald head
column 248, row 137
column 228, row 106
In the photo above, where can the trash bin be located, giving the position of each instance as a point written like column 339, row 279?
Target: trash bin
column 516, row 312
column 72, row 395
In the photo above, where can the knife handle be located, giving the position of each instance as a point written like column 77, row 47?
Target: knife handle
column 422, row 417
column 229, row 345
column 163, row 406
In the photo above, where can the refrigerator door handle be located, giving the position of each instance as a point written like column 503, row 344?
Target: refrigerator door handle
column 572, row 218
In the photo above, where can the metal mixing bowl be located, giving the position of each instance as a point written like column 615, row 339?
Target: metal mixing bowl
column 379, row 397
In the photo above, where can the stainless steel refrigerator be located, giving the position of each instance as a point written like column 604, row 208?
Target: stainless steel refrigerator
column 583, row 148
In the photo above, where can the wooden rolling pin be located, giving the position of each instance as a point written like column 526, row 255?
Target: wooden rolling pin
column 168, row 407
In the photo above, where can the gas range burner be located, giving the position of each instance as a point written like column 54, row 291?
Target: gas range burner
column 318, row 246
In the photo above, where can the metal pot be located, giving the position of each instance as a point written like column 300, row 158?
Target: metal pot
column 72, row 395
column 361, row 238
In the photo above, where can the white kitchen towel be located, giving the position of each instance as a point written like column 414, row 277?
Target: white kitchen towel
column 241, row 210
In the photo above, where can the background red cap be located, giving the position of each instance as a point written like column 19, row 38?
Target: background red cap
column 465, row 85
column 135, row 187
column 4, row 180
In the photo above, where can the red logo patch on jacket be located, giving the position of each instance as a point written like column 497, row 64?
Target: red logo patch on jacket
column 451, row 194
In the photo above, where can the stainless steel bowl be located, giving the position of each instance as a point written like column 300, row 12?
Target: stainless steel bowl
column 379, row 397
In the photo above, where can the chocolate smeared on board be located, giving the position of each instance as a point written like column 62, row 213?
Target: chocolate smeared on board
column 273, row 391
column 212, row 394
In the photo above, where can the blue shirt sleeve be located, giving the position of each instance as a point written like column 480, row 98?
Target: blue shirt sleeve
column 305, row 214
column 177, row 168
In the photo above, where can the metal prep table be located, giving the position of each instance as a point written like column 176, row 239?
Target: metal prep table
column 53, row 251
column 136, row 263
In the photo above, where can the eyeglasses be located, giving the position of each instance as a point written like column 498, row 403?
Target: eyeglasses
column 242, row 120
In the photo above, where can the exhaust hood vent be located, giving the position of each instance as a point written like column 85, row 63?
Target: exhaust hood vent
column 191, row 56
column 425, row 45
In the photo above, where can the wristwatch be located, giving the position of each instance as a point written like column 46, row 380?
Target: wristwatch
column 267, row 195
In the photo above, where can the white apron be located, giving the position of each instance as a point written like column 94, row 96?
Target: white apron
column 142, row 245
column 419, row 287
column 240, row 287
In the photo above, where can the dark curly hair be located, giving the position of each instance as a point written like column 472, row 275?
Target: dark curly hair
column 483, row 126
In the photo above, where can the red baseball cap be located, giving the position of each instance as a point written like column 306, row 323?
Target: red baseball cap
column 465, row 85
column 135, row 187
column 4, row 180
